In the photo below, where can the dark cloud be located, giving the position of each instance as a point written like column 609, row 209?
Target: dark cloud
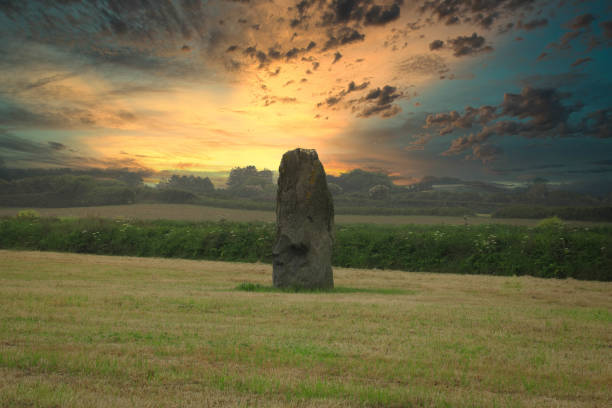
column 482, row 12
column 424, row 64
column 47, row 80
column 533, row 24
column 486, row 153
column 57, row 145
column 274, row 54
column 581, row 61
column 18, row 150
column 598, row 123
column 379, row 15
column 564, row 41
column 352, row 87
column 18, row 116
column 580, row 26
column 17, row 144
column 606, row 26
column 436, row 45
column 269, row 100
column 532, row 113
column 582, row 21
column 543, row 108
column 342, row 36
column 337, row 57
column 486, row 21
column 358, row 11
column 448, row 122
column 468, row 45
column 379, row 101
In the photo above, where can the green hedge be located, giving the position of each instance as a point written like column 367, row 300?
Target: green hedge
column 549, row 251
column 565, row 213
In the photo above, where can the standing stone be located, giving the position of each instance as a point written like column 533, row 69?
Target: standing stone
column 304, row 223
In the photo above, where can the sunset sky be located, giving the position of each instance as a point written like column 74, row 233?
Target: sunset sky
column 499, row 90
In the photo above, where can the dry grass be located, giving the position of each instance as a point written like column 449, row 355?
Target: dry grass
column 84, row 330
column 187, row 212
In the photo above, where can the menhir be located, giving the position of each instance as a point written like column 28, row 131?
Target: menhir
column 304, row 223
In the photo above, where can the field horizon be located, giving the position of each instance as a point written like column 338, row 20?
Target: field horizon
column 109, row 331
column 190, row 212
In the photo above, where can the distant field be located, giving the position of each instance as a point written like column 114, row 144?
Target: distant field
column 201, row 213
column 85, row 330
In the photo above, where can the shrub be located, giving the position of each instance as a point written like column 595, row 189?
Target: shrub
column 551, row 222
column 28, row 214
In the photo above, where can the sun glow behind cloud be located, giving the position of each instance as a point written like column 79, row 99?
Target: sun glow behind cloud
column 200, row 88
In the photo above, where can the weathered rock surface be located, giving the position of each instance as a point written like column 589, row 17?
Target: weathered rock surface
column 304, row 223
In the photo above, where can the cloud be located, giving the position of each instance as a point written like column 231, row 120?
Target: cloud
column 352, row 87
column 463, row 45
column 423, row 64
column 337, row 57
column 531, row 113
column 606, row 26
column 57, row 145
column 543, row 107
column 483, row 13
column 468, row 45
column 533, row 24
column 579, row 26
column 486, row 153
column 581, row 61
column 379, row 15
column 448, row 122
column 20, row 116
column 342, row 36
column 598, row 123
column 582, row 21
column 436, row 45
column 20, row 151
column 378, row 101
column 357, row 11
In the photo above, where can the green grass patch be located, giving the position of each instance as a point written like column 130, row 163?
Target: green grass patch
column 120, row 332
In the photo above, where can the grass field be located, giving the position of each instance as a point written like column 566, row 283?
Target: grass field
column 85, row 330
column 187, row 212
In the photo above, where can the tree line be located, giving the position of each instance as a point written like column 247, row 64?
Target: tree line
column 357, row 191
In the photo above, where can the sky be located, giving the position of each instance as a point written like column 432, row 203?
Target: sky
column 492, row 90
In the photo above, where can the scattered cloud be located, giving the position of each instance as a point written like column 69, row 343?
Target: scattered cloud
column 534, row 113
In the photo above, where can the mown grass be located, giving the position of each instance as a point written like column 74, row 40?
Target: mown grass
column 554, row 250
column 85, row 330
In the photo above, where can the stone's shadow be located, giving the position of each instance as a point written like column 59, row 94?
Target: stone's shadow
column 256, row 287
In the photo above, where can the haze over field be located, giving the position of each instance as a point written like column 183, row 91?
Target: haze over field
column 504, row 90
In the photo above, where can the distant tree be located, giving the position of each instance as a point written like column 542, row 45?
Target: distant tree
column 334, row 189
column 379, row 192
column 132, row 179
column 193, row 184
column 360, row 180
column 241, row 177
